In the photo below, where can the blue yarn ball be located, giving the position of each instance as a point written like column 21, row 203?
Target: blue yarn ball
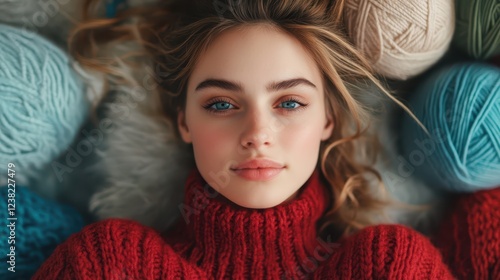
column 460, row 107
column 41, row 225
column 42, row 99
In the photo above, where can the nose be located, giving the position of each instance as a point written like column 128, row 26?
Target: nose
column 256, row 133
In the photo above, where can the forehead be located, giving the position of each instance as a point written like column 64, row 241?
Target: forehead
column 254, row 55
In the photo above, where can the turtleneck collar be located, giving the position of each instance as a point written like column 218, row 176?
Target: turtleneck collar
column 234, row 240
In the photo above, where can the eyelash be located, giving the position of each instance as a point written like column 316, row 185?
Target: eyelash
column 220, row 100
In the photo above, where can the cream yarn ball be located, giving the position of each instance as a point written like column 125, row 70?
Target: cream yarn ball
column 401, row 38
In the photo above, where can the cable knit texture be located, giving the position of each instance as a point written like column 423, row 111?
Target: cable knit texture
column 470, row 236
column 220, row 240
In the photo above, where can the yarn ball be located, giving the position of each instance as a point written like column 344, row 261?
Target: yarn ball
column 39, row 226
column 478, row 27
column 400, row 38
column 460, row 107
column 42, row 100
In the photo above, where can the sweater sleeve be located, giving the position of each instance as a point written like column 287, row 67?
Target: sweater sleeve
column 469, row 236
column 116, row 249
column 386, row 252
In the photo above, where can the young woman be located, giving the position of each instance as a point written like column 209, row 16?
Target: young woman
column 260, row 90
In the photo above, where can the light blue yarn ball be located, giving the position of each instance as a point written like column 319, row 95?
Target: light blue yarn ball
column 460, row 107
column 40, row 226
column 42, row 100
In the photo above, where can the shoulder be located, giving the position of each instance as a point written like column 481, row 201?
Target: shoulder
column 112, row 234
column 386, row 252
column 117, row 237
column 400, row 235
column 115, row 228
column 106, row 249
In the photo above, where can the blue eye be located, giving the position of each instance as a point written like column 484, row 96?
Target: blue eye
column 290, row 104
column 219, row 106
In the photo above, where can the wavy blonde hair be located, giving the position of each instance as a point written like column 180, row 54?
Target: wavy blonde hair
column 173, row 34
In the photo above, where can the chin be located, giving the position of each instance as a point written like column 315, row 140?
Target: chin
column 259, row 203
column 259, row 206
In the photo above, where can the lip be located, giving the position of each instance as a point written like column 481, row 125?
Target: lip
column 258, row 169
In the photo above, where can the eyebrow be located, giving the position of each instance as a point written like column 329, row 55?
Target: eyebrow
column 272, row 87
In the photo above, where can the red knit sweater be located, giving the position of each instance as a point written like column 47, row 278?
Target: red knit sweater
column 219, row 240
column 470, row 236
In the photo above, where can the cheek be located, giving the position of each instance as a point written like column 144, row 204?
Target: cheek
column 304, row 140
column 211, row 140
column 204, row 133
column 302, row 135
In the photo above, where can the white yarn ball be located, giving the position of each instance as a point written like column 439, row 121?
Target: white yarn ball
column 401, row 38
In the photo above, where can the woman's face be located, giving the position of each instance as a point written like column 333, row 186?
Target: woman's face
column 255, row 94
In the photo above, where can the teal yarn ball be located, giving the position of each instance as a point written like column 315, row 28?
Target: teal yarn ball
column 40, row 226
column 477, row 29
column 460, row 107
column 42, row 100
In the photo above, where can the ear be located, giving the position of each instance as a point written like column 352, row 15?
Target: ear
column 183, row 129
column 328, row 129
